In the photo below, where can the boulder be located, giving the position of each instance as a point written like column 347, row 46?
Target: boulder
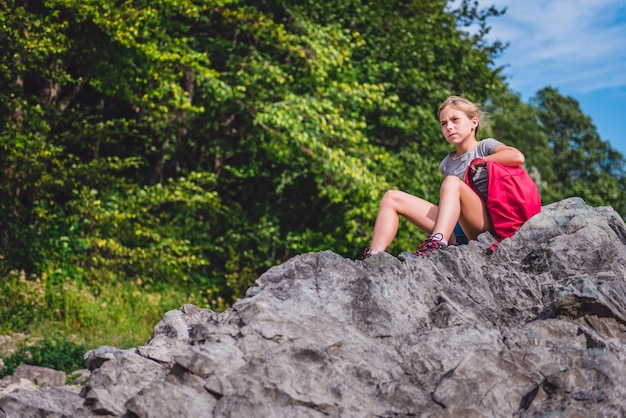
column 40, row 375
column 537, row 328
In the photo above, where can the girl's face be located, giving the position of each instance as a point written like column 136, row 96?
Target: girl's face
column 456, row 127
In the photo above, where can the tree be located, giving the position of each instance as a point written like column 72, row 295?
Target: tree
column 301, row 121
column 581, row 162
column 517, row 124
column 563, row 150
column 208, row 140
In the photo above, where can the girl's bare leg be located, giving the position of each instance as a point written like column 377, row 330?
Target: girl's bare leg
column 458, row 202
column 395, row 203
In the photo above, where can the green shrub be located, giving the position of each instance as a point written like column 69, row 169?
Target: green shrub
column 119, row 313
column 58, row 353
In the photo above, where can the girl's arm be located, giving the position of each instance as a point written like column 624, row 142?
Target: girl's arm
column 506, row 155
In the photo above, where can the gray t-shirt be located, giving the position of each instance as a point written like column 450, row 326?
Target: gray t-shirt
column 456, row 166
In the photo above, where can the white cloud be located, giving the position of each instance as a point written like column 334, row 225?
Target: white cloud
column 577, row 44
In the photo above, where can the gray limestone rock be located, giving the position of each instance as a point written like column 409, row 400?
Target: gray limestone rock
column 536, row 329
column 40, row 375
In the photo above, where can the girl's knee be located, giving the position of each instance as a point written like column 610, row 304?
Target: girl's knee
column 391, row 194
column 451, row 182
column 390, row 198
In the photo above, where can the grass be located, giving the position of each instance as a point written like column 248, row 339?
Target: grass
column 63, row 318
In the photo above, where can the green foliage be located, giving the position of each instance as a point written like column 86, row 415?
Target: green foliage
column 516, row 123
column 563, row 149
column 583, row 164
column 121, row 314
column 58, row 353
column 154, row 234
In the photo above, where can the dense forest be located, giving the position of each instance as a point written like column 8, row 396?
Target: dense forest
column 157, row 153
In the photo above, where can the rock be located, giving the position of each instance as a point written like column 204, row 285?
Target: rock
column 537, row 328
column 118, row 380
column 96, row 358
column 79, row 377
column 40, row 375
column 11, row 383
column 46, row 402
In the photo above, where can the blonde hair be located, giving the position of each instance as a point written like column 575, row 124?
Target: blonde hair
column 471, row 109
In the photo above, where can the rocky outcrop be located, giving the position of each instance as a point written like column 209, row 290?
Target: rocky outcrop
column 536, row 329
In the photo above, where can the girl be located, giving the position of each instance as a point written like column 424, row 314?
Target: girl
column 458, row 204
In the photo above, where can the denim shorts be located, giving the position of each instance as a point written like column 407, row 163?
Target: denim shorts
column 459, row 235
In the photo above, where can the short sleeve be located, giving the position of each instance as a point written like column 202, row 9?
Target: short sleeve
column 488, row 146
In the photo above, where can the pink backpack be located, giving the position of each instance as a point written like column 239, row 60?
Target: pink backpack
column 512, row 197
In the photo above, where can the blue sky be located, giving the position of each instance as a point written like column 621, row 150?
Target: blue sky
column 575, row 46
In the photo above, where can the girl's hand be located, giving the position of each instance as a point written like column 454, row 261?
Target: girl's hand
column 474, row 167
